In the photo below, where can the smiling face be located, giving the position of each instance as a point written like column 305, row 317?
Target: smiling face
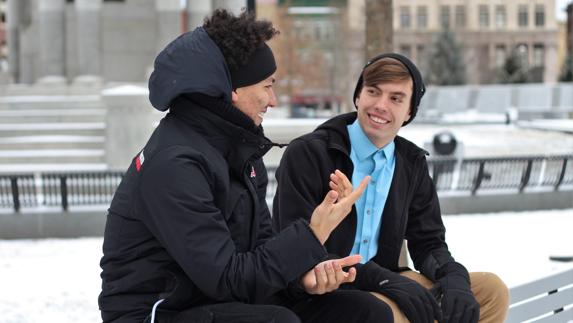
column 383, row 108
column 253, row 100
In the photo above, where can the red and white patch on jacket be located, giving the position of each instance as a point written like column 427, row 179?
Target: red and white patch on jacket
column 253, row 173
column 139, row 159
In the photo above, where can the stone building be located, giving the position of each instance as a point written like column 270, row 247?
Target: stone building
column 487, row 29
column 66, row 41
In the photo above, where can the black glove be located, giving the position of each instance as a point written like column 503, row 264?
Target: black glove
column 417, row 303
column 454, row 290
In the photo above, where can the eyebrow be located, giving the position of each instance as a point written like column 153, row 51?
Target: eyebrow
column 400, row 93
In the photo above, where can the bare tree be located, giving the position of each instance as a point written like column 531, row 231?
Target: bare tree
column 378, row 27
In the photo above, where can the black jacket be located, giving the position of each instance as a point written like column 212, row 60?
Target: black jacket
column 411, row 212
column 189, row 222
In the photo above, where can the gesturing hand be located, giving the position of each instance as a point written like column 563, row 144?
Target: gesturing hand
column 334, row 208
column 328, row 275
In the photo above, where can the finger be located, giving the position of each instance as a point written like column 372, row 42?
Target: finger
column 331, row 283
column 341, row 275
column 349, row 260
column 333, row 186
column 321, row 276
column 345, row 181
column 351, row 275
column 353, row 197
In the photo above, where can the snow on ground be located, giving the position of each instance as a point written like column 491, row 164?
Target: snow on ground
column 57, row 280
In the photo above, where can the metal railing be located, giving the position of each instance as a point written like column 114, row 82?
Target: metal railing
column 65, row 189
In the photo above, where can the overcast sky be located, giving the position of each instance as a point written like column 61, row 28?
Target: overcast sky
column 560, row 8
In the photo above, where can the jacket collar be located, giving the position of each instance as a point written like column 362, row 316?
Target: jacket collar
column 339, row 139
column 224, row 127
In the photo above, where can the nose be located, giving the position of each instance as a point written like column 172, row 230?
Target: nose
column 272, row 99
column 382, row 103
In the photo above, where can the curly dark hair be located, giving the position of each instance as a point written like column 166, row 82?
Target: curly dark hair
column 238, row 36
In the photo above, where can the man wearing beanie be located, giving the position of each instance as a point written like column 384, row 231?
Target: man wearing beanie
column 188, row 236
column 399, row 203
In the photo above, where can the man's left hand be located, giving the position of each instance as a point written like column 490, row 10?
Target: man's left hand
column 457, row 301
column 328, row 275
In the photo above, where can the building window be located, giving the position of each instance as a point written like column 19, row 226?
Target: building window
column 405, row 17
column 500, row 17
column 522, row 16
column 539, row 15
column 445, row 16
column 483, row 16
column 523, row 54
column 500, row 55
column 422, row 17
column 460, row 16
column 538, row 55
column 420, row 52
column 406, row 50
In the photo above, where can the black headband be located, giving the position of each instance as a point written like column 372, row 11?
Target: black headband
column 261, row 65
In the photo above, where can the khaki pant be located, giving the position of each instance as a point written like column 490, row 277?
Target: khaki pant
column 489, row 290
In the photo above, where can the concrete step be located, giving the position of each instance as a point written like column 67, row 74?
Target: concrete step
column 37, row 129
column 52, row 116
column 51, row 102
column 52, row 156
column 51, row 142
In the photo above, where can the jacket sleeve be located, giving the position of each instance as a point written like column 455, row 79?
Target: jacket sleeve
column 300, row 185
column 178, row 202
column 426, row 232
column 265, row 227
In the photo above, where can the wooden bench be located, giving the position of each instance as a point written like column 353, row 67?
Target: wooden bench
column 549, row 299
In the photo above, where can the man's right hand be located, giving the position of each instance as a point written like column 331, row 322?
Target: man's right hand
column 334, row 208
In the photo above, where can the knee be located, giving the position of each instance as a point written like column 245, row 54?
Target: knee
column 493, row 289
column 284, row 315
column 374, row 311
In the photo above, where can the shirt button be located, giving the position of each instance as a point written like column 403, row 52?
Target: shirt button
column 365, row 241
column 372, row 182
column 367, row 211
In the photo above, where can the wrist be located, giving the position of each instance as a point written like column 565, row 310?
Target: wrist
column 319, row 233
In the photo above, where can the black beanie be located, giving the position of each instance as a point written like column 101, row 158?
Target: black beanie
column 261, row 64
column 418, row 82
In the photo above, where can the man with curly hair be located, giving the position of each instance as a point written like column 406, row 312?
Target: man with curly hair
column 188, row 236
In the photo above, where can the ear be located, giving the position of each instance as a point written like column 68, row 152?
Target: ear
column 234, row 97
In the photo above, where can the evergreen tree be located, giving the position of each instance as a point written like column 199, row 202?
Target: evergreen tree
column 446, row 65
column 567, row 72
column 513, row 70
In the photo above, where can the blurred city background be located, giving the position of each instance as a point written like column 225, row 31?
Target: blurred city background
column 497, row 120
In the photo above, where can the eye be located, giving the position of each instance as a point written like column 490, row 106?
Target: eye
column 397, row 99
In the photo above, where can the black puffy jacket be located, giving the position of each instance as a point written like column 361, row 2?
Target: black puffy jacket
column 189, row 222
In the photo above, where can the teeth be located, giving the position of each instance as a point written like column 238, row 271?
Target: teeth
column 378, row 120
column 261, row 115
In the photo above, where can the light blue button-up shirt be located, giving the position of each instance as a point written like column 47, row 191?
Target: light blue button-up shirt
column 379, row 164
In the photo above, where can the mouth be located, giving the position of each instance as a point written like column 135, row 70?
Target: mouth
column 377, row 120
column 262, row 114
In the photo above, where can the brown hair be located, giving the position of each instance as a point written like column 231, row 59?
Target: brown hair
column 385, row 70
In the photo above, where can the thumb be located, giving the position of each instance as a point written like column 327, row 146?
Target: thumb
column 330, row 198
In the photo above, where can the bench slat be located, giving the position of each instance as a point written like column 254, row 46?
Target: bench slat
column 537, row 307
column 565, row 316
column 525, row 291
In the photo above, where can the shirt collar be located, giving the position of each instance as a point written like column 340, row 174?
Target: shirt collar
column 362, row 145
